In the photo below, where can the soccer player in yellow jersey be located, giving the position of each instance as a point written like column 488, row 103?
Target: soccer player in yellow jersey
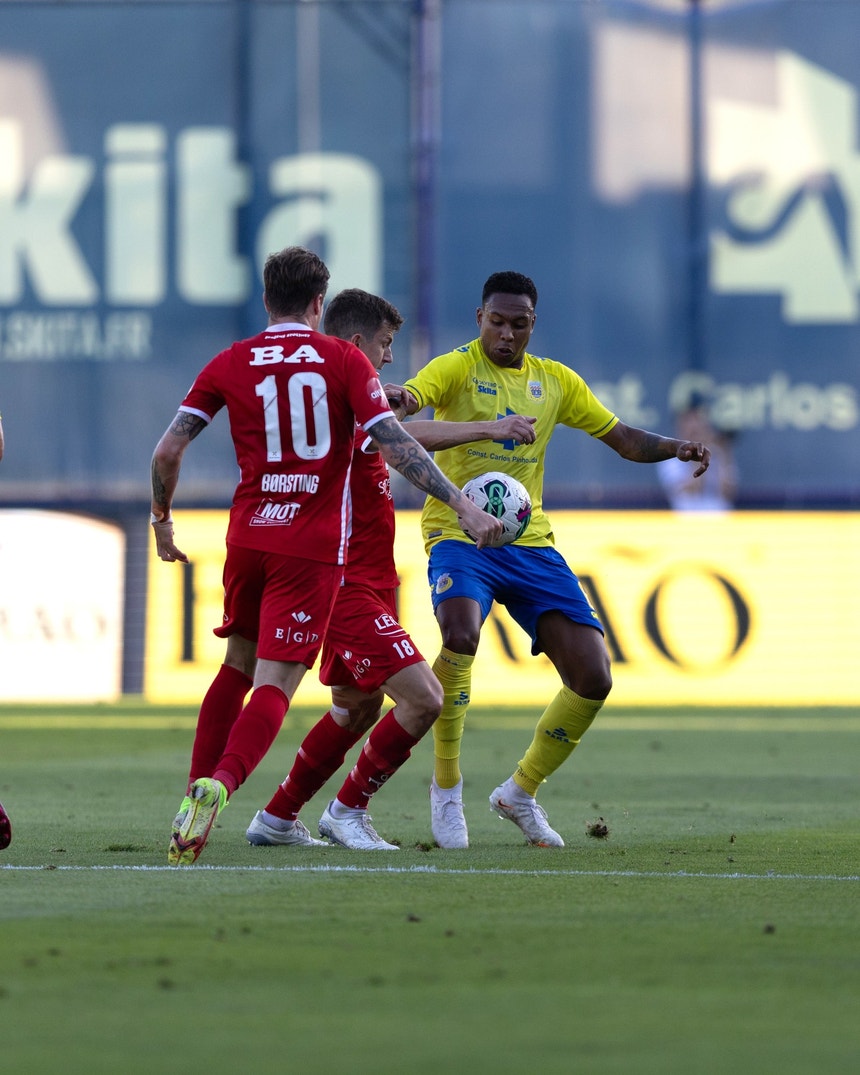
column 491, row 376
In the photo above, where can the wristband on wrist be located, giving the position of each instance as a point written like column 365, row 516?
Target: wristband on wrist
column 154, row 519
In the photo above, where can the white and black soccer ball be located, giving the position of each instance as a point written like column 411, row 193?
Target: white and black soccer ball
column 504, row 498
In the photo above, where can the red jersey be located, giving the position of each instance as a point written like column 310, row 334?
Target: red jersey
column 293, row 397
column 371, row 543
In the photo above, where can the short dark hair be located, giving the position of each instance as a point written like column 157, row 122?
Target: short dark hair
column 292, row 278
column 355, row 311
column 509, row 283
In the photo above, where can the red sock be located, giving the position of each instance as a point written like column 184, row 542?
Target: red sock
column 319, row 757
column 219, row 711
column 387, row 748
column 255, row 730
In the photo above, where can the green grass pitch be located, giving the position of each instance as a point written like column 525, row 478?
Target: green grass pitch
column 715, row 930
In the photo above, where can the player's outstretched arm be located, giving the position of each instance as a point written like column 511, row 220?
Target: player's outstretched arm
column 164, row 471
column 406, row 455
column 436, row 435
column 640, row 446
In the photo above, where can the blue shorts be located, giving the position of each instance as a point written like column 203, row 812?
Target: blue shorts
column 527, row 580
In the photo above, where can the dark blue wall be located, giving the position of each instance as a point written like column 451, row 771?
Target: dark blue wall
column 680, row 180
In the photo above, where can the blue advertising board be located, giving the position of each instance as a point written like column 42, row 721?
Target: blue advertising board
column 681, row 181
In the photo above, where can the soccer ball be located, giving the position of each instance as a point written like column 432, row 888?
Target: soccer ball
column 504, row 498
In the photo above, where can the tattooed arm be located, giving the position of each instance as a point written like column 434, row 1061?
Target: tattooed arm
column 405, row 454
column 166, row 463
column 640, row 446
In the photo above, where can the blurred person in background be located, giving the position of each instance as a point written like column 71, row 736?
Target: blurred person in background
column 712, row 491
column 493, row 375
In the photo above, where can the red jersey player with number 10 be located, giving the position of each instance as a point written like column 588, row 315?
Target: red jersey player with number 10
column 293, row 396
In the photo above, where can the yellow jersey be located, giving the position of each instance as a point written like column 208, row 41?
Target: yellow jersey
column 465, row 386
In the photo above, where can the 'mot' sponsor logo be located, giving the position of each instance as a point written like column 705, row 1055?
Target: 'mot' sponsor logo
column 270, row 513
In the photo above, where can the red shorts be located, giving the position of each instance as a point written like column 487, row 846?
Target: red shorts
column 282, row 603
column 365, row 645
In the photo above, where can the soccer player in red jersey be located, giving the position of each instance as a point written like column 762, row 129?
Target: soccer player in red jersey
column 367, row 654
column 293, row 397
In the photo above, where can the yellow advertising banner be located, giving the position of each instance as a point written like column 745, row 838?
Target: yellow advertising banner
column 758, row 608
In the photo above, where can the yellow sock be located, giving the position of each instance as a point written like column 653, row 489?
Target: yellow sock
column 454, row 672
column 563, row 723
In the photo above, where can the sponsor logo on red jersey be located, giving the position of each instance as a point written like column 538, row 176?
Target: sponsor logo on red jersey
column 271, row 513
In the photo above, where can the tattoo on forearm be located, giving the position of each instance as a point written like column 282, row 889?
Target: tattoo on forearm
column 159, row 493
column 410, row 459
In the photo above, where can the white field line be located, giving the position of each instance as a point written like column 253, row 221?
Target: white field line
column 669, row 874
column 608, row 723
